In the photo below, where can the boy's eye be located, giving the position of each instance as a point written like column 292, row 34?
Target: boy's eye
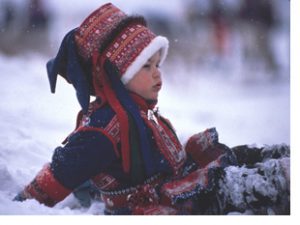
column 149, row 65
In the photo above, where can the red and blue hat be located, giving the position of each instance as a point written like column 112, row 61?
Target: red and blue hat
column 124, row 40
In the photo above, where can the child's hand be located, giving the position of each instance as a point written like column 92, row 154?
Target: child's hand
column 20, row 197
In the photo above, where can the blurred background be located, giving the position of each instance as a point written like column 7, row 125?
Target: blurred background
column 218, row 34
column 228, row 65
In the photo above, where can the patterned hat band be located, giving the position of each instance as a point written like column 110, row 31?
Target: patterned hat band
column 125, row 41
column 132, row 49
column 159, row 43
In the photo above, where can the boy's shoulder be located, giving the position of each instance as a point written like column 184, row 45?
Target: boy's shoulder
column 97, row 119
column 100, row 117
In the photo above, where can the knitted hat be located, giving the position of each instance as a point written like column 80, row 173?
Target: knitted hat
column 124, row 40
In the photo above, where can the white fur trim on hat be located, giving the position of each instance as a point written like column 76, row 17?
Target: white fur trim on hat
column 158, row 43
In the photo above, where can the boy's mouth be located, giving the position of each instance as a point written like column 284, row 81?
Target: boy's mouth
column 157, row 86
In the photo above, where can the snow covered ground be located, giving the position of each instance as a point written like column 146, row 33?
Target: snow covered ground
column 34, row 121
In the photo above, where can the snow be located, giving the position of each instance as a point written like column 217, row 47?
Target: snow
column 34, row 122
column 241, row 180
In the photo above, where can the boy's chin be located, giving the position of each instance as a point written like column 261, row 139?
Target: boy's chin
column 152, row 99
column 155, row 98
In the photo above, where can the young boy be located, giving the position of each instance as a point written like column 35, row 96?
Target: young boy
column 122, row 144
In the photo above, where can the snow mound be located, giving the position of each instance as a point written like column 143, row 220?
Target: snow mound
column 261, row 189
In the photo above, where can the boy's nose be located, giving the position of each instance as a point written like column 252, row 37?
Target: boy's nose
column 156, row 73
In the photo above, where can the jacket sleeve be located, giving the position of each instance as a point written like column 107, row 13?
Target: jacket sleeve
column 86, row 154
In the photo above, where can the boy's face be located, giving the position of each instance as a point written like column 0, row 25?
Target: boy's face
column 147, row 81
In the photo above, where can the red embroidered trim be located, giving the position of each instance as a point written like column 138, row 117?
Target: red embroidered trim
column 167, row 143
column 186, row 184
column 46, row 189
column 128, row 45
column 164, row 136
column 105, row 182
column 96, row 27
column 113, row 129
